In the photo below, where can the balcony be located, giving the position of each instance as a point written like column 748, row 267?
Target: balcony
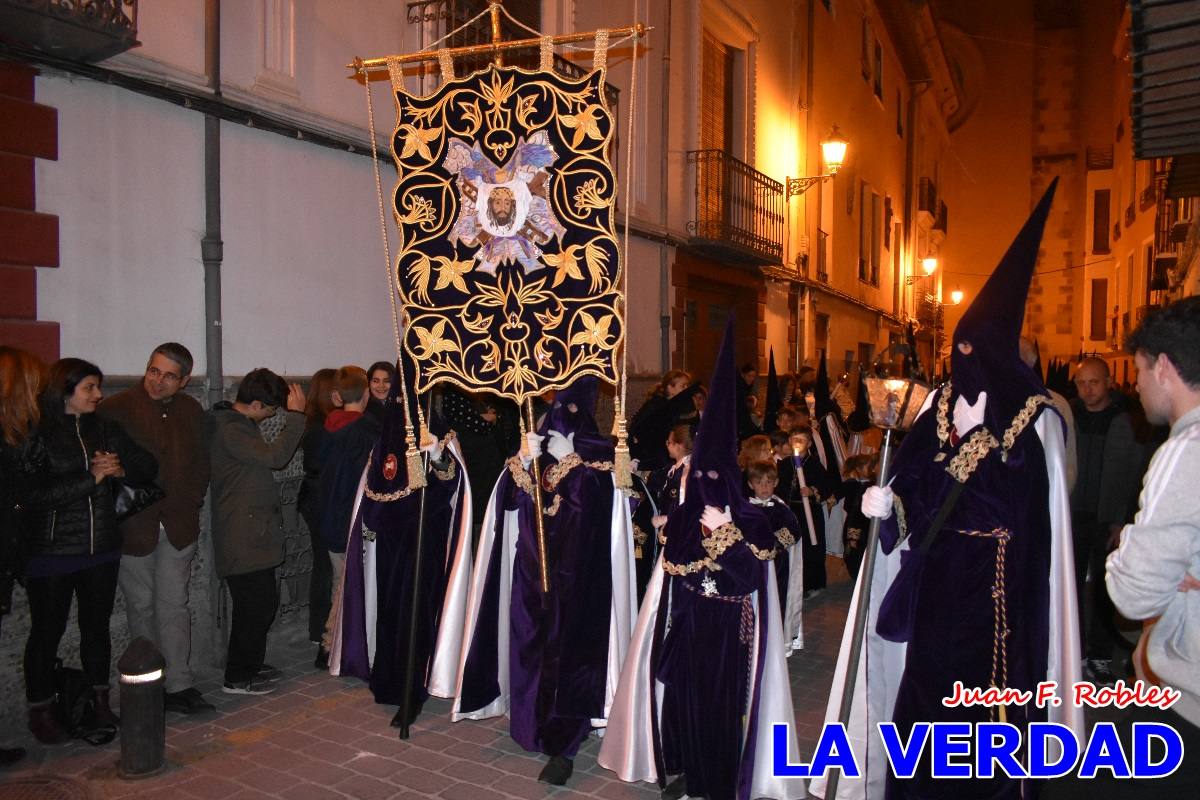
column 71, row 30
column 1130, row 215
column 739, row 211
column 927, row 199
column 939, row 222
column 1147, row 197
column 928, row 312
column 1099, row 157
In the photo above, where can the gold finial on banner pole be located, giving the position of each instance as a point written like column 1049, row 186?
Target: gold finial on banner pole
column 494, row 9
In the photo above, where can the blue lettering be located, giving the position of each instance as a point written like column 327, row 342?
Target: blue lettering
column 1104, row 752
column 951, row 739
column 1144, row 734
column 1040, row 733
column 833, row 752
column 903, row 758
column 997, row 742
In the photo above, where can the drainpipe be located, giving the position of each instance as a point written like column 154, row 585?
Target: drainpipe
column 916, row 90
column 664, row 284
column 211, row 246
column 804, row 303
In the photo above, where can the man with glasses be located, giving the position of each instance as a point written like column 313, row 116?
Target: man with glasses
column 160, row 542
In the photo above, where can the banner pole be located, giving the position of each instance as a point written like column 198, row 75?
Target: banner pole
column 537, row 505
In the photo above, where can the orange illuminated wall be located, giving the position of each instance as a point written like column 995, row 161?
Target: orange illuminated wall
column 28, row 240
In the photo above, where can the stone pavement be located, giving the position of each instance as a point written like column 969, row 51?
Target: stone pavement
column 324, row 737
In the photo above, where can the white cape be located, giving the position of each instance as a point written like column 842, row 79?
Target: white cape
column 622, row 608
column 628, row 746
column 444, row 669
column 887, row 658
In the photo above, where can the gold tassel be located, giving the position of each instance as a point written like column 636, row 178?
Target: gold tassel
column 622, row 468
column 416, row 467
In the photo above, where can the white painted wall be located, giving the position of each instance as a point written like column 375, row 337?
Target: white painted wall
column 304, row 285
column 128, row 190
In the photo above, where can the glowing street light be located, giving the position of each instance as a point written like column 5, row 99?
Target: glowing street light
column 956, row 297
column 833, row 151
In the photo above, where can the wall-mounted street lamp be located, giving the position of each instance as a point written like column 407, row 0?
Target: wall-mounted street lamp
column 929, row 265
column 956, row 297
column 833, row 152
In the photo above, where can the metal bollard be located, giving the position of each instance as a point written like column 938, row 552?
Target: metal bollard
column 143, row 717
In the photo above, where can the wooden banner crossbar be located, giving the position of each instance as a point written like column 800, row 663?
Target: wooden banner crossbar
column 366, row 65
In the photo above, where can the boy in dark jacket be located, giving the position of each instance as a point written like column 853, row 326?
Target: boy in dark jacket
column 247, row 517
column 350, row 434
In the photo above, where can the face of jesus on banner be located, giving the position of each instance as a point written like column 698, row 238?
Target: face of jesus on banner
column 501, row 208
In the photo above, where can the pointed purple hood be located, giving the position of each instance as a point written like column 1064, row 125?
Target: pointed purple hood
column 992, row 328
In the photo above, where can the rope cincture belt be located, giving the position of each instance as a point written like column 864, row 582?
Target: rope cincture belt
column 1000, row 630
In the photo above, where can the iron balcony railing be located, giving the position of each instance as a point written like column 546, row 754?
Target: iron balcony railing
column 79, row 31
column 929, row 311
column 739, row 210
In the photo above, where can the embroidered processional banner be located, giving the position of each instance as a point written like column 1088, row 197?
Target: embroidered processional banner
column 508, row 266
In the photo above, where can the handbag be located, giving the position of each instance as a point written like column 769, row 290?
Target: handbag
column 129, row 500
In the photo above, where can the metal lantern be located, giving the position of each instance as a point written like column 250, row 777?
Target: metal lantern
column 896, row 391
column 896, row 388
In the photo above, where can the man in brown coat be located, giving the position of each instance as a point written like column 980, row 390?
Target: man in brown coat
column 247, row 516
column 160, row 542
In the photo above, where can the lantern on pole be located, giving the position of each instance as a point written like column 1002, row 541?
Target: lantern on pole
column 896, row 391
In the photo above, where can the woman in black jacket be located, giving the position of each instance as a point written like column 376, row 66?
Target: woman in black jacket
column 74, row 543
column 21, row 377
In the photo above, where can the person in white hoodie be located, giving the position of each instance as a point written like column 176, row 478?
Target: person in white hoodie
column 1154, row 575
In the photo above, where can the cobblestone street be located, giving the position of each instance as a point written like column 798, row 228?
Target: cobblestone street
column 324, row 737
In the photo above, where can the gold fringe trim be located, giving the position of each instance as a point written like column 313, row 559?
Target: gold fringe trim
column 970, row 454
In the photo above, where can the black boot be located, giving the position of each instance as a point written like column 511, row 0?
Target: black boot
column 322, row 659
column 557, row 770
column 45, row 725
column 675, row 789
column 104, row 712
column 11, row 755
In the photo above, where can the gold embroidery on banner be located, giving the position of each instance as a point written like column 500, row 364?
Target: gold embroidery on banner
column 520, row 139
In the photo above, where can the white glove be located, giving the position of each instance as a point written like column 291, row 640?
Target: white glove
column 659, row 521
column 713, row 517
column 877, row 502
column 434, row 449
column 531, row 448
column 560, row 446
